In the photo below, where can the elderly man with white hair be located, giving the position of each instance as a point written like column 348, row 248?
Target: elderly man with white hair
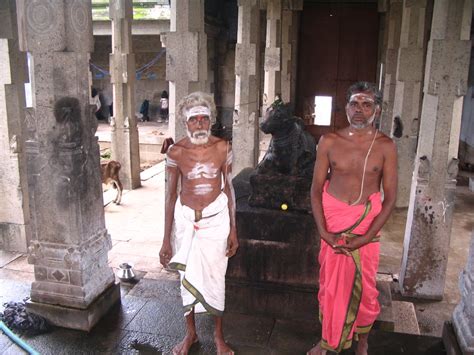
column 204, row 216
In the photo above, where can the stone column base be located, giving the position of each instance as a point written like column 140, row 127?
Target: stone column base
column 464, row 333
column 73, row 318
column 450, row 341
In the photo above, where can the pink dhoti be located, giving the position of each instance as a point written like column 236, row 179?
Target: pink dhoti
column 347, row 292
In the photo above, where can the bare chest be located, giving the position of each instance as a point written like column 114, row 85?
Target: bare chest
column 347, row 159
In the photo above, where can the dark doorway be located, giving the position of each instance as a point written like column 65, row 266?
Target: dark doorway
column 337, row 47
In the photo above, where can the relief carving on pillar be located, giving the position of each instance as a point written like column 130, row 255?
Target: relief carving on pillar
column 424, row 168
column 14, row 144
column 40, row 16
column 113, row 124
column 43, row 25
column 453, row 168
column 78, row 17
column 67, row 112
column 34, row 252
column 72, row 258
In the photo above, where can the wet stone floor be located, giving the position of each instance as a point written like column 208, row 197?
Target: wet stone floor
column 149, row 320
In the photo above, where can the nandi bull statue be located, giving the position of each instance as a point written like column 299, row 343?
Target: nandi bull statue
column 292, row 150
column 282, row 180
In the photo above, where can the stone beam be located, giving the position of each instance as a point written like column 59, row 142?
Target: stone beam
column 430, row 212
column 186, row 57
column 74, row 286
column 408, row 93
column 14, row 210
column 125, row 145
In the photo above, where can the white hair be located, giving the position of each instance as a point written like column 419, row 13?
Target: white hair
column 197, row 98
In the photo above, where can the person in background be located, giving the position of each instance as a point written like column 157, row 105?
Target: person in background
column 164, row 107
column 96, row 101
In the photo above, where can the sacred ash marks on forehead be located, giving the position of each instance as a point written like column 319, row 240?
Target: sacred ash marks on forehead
column 361, row 96
column 198, row 111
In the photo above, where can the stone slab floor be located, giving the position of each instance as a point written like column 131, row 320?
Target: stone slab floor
column 149, row 319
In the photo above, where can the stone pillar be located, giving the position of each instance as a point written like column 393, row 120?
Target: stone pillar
column 125, row 145
column 393, row 25
column 408, row 93
column 463, row 316
column 247, row 82
column 430, row 213
column 186, row 57
column 14, row 209
column 73, row 284
column 272, row 65
column 289, row 46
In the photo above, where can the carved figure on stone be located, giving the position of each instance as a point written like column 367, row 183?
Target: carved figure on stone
column 292, row 150
column 453, row 168
column 424, row 167
column 67, row 112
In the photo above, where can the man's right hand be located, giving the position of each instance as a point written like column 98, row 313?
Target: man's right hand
column 165, row 254
column 330, row 238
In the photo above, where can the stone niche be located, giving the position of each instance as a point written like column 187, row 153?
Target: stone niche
column 275, row 271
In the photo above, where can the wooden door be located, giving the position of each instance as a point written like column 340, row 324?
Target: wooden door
column 337, row 47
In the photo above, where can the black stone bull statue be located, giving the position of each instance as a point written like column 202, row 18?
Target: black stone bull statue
column 292, row 150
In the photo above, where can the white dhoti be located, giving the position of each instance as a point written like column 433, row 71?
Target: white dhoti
column 200, row 255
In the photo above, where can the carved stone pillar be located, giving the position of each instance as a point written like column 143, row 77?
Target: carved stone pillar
column 408, row 93
column 14, row 209
column 430, row 213
column 125, row 145
column 272, row 65
column 393, row 25
column 247, row 81
column 186, row 57
column 73, row 284
column 289, row 45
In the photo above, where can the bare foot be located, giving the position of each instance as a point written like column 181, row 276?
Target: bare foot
column 317, row 350
column 183, row 347
column 362, row 349
column 362, row 345
column 222, row 347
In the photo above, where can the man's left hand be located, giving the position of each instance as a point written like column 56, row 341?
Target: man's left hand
column 232, row 245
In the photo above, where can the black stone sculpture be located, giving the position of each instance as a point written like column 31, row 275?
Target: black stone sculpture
column 282, row 180
column 292, row 150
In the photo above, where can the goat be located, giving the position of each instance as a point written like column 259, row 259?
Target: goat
column 109, row 172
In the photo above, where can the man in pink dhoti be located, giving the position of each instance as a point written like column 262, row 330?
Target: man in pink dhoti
column 349, row 213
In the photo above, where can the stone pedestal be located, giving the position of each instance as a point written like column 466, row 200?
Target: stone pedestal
column 247, row 82
column 69, row 240
column 125, row 145
column 463, row 316
column 272, row 64
column 14, row 210
column 186, row 57
column 276, row 269
column 271, row 191
column 393, row 23
column 408, row 93
column 430, row 212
